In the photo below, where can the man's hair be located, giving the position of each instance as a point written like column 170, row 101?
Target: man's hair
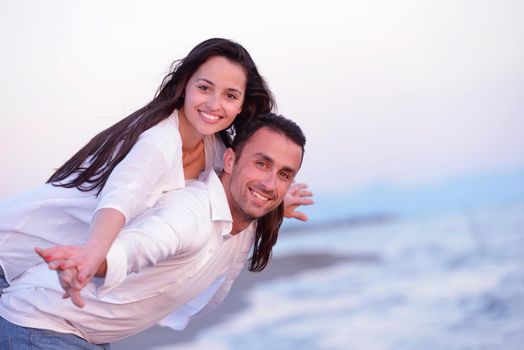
column 273, row 122
column 269, row 224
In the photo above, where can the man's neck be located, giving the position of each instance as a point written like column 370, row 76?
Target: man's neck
column 239, row 228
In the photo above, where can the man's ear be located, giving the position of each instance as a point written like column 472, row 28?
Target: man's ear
column 229, row 160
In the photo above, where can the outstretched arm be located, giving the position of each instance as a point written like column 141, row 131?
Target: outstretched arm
column 122, row 198
column 297, row 195
column 176, row 224
column 106, row 225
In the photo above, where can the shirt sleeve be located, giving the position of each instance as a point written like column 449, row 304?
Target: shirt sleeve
column 176, row 226
column 156, row 156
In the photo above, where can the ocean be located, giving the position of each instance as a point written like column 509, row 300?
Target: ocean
column 447, row 281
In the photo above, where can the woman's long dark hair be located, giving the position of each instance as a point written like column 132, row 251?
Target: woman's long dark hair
column 110, row 146
column 266, row 237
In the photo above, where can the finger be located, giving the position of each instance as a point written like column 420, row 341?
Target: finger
column 51, row 254
column 39, row 251
column 60, row 265
column 298, row 201
column 304, row 193
column 83, row 276
column 81, row 280
column 69, row 263
column 304, row 201
column 66, row 276
column 299, row 216
column 76, row 297
column 42, row 254
column 65, row 295
column 54, row 265
column 299, row 186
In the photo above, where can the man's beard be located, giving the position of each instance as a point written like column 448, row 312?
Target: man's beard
column 241, row 203
column 242, row 214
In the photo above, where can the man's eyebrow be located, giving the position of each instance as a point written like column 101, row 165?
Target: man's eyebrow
column 265, row 157
column 271, row 161
column 213, row 84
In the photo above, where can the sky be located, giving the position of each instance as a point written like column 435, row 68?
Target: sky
column 400, row 93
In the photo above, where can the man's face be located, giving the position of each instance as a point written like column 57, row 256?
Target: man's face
column 260, row 177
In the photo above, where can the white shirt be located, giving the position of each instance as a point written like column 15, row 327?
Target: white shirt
column 187, row 236
column 50, row 215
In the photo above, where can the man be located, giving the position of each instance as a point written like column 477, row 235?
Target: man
column 182, row 256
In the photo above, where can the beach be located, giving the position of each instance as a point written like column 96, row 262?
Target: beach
column 278, row 268
column 443, row 282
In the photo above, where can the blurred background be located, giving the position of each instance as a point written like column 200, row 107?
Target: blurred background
column 414, row 114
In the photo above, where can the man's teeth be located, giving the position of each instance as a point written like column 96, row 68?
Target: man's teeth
column 210, row 116
column 259, row 196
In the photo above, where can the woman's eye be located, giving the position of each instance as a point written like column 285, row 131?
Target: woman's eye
column 232, row 97
column 203, row 88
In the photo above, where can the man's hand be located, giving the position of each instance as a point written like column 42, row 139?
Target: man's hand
column 296, row 196
column 68, row 273
column 68, row 281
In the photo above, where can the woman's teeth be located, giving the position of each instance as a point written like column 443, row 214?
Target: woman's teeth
column 210, row 116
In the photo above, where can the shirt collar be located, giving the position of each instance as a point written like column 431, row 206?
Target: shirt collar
column 218, row 201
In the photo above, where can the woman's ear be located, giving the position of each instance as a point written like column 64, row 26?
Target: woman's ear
column 229, row 160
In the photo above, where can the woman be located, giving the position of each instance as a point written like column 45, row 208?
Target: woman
column 126, row 168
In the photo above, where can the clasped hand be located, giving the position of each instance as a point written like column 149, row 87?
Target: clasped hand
column 75, row 266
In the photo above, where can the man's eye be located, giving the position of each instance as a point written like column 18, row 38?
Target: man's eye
column 285, row 176
column 262, row 165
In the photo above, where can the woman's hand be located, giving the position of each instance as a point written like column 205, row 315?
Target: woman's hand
column 87, row 258
column 297, row 195
column 84, row 259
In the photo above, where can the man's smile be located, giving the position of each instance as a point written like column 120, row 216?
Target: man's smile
column 259, row 196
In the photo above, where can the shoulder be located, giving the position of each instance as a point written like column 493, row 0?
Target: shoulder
column 188, row 212
column 189, row 205
column 166, row 131
column 162, row 139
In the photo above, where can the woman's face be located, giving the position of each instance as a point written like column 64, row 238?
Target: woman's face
column 214, row 95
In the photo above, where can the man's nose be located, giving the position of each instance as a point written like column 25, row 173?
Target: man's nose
column 270, row 181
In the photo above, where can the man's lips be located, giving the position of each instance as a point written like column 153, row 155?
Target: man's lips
column 261, row 196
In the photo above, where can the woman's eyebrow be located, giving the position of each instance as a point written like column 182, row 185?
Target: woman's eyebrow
column 213, row 84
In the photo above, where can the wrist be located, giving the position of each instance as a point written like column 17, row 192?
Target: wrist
column 96, row 247
column 102, row 269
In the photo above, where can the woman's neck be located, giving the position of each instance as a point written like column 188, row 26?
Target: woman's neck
column 193, row 155
column 191, row 138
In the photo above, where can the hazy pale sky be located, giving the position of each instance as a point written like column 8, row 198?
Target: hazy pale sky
column 395, row 92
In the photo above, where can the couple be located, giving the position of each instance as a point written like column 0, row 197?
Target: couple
column 121, row 205
column 182, row 255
